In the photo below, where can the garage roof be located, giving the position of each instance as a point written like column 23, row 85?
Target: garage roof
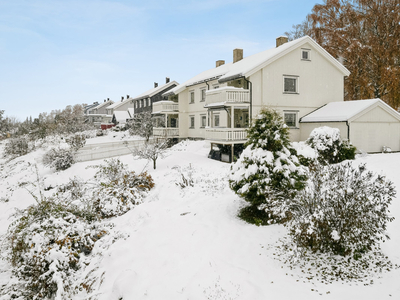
column 345, row 110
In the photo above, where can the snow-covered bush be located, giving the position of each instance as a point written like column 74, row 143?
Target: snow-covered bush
column 16, row 147
column 59, row 158
column 45, row 245
column 267, row 173
column 117, row 189
column 331, row 148
column 76, row 141
column 343, row 210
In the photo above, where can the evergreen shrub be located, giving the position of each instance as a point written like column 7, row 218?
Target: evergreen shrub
column 267, row 173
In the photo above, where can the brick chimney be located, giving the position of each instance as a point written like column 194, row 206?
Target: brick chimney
column 219, row 63
column 155, row 84
column 237, row 55
column 281, row 40
column 127, row 96
column 167, row 79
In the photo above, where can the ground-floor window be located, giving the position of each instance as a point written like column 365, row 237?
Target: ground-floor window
column 191, row 122
column 290, row 118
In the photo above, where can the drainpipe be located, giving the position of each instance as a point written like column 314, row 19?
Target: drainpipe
column 348, row 131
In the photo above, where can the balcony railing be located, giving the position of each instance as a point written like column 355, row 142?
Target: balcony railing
column 165, row 132
column 165, row 106
column 226, row 134
column 228, row 94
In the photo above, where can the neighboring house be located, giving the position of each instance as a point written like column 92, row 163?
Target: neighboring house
column 89, row 106
column 122, row 105
column 98, row 114
column 369, row 124
column 144, row 102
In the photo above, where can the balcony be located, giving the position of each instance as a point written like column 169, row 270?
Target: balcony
column 165, row 132
column 226, row 135
column 228, row 95
column 162, row 107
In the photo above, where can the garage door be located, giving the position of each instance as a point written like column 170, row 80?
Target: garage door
column 371, row 137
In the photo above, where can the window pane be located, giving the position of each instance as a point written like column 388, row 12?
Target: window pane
column 290, row 119
column 305, row 54
column 290, row 85
column 191, row 97
column 203, row 95
column 216, row 120
column 203, row 121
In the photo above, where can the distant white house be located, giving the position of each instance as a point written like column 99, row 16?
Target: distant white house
column 295, row 78
column 98, row 113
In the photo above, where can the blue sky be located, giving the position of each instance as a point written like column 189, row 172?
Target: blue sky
column 57, row 53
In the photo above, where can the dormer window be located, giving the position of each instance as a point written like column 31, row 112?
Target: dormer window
column 305, row 54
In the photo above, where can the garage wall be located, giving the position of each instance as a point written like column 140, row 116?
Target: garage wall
column 306, row 128
column 375, row 129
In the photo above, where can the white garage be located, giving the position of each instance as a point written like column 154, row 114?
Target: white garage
column 370, row 125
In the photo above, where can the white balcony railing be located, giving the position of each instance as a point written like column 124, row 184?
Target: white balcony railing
column 226, row 134
column 165, row 132
column 228, row 94
column 165, row 106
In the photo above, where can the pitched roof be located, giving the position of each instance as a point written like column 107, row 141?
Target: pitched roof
column 104, row 104
column 345, row 110
column 119, row 103
column 155, row 90
column 251, row 64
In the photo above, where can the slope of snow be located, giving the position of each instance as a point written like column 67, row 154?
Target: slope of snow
column 187, row 243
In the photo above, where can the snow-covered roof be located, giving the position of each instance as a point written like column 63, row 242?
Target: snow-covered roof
column 121, row 116
column 251, row 64
column 118, row 104
column 104, row 104
column 155, row 90
column 344, row 110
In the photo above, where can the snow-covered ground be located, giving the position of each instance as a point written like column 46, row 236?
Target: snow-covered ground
column 187, row 243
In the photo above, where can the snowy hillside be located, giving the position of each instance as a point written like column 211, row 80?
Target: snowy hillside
column 188, row 243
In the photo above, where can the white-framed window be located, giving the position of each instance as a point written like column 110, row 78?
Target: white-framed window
column 290, row 118
column 203, row 95
column 290, row 84
column 144, row 102
column 191, row 97
column 149, row 102
column 305, row 54
column 203, row 121
column 216, row 120
column 191, row 121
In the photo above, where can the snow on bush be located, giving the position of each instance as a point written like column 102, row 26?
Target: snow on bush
column 267, row 172
column 76, row 141
column 343, row 210
column 331, row 149
column 16, row 147
column 117, row 190
column 44, row 245
column 59, row 158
